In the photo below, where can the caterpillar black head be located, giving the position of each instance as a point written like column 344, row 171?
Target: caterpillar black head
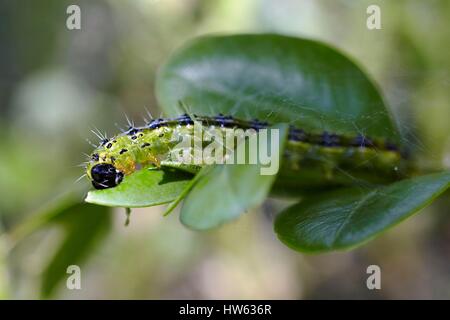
column 105, row 175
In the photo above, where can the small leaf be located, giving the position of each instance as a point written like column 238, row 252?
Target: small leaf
column 143, row 188
column 349, row 217
column 227, row 191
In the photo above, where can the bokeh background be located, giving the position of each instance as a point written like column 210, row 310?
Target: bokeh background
column 57, row 84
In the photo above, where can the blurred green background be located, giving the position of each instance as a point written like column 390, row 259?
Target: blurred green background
column 57, row 84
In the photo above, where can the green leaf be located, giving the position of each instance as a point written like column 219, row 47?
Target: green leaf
column 277, row 78
column 349, row 217
column 85, row 225
column 227, row 191
column 144, row 188
column 52, row 212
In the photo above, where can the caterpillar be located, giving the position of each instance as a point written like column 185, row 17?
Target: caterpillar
column 340, row 158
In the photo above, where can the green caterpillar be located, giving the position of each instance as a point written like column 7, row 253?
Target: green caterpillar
column 309, row 160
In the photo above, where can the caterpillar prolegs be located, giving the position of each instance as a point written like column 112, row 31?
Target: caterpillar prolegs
column 339, row 159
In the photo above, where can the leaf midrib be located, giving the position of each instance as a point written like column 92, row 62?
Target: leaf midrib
column 352, row 212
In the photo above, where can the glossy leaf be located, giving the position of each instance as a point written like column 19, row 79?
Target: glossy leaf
column 346, row 218
column 275, row 78
column 144, row 188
